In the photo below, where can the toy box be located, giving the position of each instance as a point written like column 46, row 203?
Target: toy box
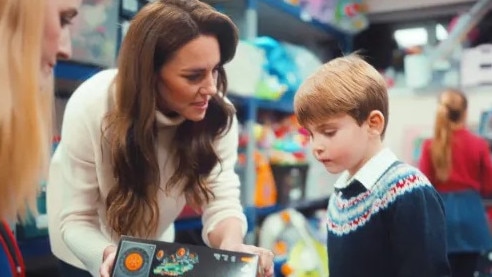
column 149, row 258
column 95, row 32
column 476, row 66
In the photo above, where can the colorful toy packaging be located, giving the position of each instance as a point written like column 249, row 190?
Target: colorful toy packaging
column 149, row 258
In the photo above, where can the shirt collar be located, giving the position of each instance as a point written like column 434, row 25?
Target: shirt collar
column 370, row 172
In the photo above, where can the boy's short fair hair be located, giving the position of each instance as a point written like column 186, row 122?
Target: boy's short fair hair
column 343, row 85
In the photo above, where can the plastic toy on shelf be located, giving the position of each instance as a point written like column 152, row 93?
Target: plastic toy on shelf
column 94, row 32
column 297, row 12
column 298, row 253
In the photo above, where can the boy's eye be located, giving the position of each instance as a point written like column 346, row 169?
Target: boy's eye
column 329, row 133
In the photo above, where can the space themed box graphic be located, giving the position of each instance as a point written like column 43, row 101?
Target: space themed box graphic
column 150, row 258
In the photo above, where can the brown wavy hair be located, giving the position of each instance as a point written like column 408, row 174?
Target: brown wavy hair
column 155, row 34
column 451, row 111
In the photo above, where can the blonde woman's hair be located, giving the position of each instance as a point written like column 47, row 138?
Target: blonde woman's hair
column 451, row 110
column 25, row 122
column 345, row 85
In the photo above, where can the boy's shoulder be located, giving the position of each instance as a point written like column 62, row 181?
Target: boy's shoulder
column 400, row 179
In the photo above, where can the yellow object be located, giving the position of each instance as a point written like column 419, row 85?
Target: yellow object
column 301, row 259
column 287, row 233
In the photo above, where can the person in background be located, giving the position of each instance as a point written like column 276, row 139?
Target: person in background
column 458, row 164
column 384, row 219
column 141, row 141
column 33, row 34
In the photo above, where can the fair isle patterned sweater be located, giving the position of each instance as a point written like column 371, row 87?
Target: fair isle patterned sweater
column 386, row 221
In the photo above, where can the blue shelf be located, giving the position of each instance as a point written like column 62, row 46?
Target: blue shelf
column 281, row 105
column 296, row 12
column 68, row 70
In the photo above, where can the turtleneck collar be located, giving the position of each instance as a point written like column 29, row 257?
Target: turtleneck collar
column 167, row 121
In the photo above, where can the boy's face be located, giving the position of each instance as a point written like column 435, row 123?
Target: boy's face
column 339, row 143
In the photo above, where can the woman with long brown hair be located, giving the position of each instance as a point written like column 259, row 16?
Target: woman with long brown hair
column 33, row 34
column 458, row 164
column 141, row 141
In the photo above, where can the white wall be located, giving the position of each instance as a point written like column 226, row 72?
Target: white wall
column 413, row 115
column 380, row 6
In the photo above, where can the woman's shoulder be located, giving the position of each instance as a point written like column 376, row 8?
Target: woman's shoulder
column 93, row 96
column 94, row 87
column 472, row 138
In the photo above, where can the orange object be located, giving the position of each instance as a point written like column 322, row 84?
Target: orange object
column 160, row 255
column 134, row 261
column 280, row 248
column 286, row 269
column 181, row 252
column 266, row 191
column 285, row 216
column 247, row 259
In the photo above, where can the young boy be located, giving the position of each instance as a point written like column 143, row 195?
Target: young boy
column 384, row 219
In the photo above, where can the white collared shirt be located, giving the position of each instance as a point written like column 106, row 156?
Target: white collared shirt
column 370, row 172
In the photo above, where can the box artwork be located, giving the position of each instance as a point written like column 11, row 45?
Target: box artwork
column 149, row 258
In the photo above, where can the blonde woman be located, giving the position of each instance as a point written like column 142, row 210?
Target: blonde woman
column 457, row 162
column 33, row 34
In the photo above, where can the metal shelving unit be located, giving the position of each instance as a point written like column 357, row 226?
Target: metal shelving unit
column 259, row 18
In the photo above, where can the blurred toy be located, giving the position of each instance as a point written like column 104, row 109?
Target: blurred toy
column 297, row 252
column 305, row 60
column 265, row 188
column 279, row 64
column 270, row 88
column 320, row 10
column 292, row 2
column 95, row 32
column 350, row 16
column 248, row 58
column 266, row 191
column 290, row 144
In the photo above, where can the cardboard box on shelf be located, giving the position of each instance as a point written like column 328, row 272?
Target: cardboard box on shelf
column 476, row 66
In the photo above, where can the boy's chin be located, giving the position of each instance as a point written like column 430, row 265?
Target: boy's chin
column 334, row 171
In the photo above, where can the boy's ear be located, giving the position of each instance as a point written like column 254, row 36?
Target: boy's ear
column 375, row 120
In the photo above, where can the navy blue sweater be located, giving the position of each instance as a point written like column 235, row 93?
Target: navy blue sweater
column 394, row 229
